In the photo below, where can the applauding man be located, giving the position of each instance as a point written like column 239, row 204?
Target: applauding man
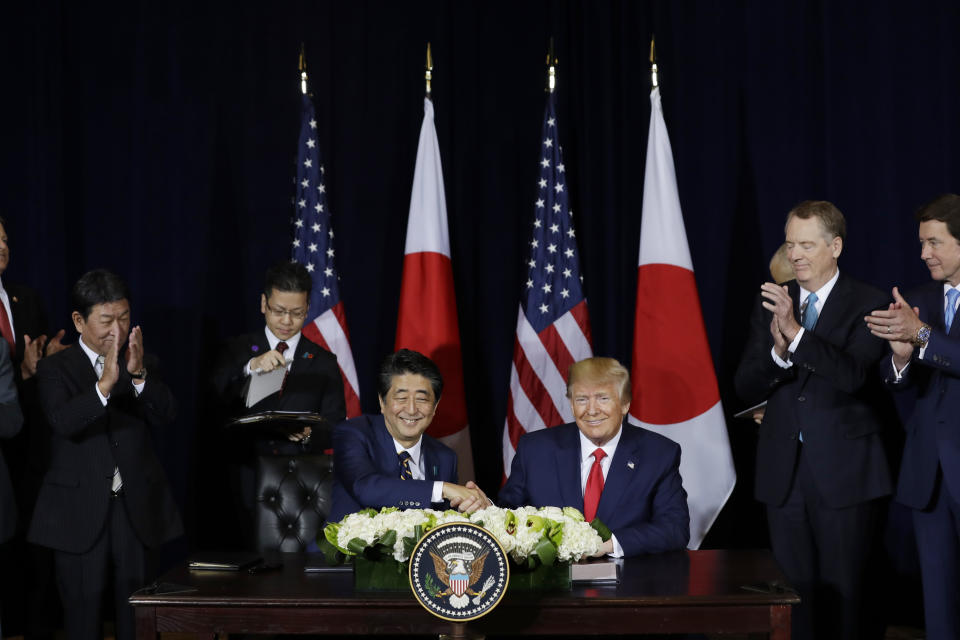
column 925, row 340
column 104, row 498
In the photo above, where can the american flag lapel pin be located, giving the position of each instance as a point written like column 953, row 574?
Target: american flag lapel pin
column 630, row 464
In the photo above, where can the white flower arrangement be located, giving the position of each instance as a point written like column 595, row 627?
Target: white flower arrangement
column 531, row 536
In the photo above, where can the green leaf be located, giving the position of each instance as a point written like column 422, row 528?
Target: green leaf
column 602, row 529
column 356, row 546
column 388, row 539
column 368, row 512
column 331, row 554
column 555, row 533
column 546, row 551
column 330, row 534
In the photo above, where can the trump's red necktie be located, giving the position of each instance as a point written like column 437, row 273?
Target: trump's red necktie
column 591, row 495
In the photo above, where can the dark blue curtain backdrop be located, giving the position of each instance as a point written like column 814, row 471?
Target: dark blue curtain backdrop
column 158, row 139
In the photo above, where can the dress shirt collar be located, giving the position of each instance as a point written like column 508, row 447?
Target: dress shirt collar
column 587, row 448
column 946, row 288
column 91, row 354
column 292, row 343
column 414, row 451
column 822, row 292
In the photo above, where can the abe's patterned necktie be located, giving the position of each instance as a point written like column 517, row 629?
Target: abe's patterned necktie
column 405, row 472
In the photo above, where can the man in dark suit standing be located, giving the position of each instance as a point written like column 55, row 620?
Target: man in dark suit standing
column 626, row 476
column 925, row 339
column 31, row 596
column 821, row 466
column 313, row 383
column 387, row 460
column 105, row 498
column 11, row 419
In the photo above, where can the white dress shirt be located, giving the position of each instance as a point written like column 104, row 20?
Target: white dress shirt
column 586, row 464
column 822, row 294
column 273, row 341
column 418, row 467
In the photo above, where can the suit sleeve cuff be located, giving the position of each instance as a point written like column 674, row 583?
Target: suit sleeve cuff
column 103, row 398
column 617, row 549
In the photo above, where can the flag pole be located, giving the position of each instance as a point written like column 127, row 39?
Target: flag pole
column 654, row 79
column 303, row 70
column 428, row 74
column 551, row 68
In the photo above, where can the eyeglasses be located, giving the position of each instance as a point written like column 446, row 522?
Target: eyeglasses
column 279, row 312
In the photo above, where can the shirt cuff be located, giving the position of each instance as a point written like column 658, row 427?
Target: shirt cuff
column 103, row 398
column 796, row 340
column 247, row 371
column 785, row 364
column 617, row 549
column 139, row 387
column 437, row 495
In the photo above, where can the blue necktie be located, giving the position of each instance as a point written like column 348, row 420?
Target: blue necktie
column 951, row 309
column 405, row 472
column 809, row 319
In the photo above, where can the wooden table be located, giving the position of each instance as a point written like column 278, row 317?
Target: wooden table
column 682, row 592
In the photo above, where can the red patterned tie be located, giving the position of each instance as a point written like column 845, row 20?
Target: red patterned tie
column 6, row 330
column 591, row 495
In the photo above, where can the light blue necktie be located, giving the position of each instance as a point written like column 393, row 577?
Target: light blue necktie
column 951, row 309
column 810, row 316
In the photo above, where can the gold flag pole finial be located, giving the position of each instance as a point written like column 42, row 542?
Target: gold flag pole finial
column 428, row 75
column 303, row 70
column 551, row 68
column 654, row 76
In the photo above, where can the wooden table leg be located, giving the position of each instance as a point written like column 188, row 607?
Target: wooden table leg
column 146, row 620
column 780, row 622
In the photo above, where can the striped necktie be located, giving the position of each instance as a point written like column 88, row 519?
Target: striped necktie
column 405, row 472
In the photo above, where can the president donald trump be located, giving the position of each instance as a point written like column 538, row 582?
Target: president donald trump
column 626, row 476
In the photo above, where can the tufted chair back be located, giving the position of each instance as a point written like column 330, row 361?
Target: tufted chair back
column 293, row 500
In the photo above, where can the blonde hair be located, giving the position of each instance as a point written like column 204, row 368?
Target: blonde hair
column 599, row 371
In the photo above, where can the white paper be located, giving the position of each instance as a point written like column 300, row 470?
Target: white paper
column 264, row 384
column 595, row 572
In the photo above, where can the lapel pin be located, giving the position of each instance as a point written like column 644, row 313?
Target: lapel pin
column 307, row 356
column 15, row 299
column 254, row 348
column 630, row 464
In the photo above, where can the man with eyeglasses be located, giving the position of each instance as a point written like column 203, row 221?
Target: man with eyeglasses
column 313, row 382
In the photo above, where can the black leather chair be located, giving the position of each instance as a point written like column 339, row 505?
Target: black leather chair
column 293, row 500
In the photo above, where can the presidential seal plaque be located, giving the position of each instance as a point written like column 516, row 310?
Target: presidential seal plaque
column 459, row 571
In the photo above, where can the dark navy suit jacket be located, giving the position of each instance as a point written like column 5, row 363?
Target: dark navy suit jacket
column 831, row 394
column 643, row 501
column 11, row 419
column 88, row 440
column 933, row 431
column 367, row 474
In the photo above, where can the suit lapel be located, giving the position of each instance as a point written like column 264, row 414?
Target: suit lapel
column 304, row 355
column 431, row 465
column 80, row 363
column 568, row 458
column 386, row 453
column 622, row 469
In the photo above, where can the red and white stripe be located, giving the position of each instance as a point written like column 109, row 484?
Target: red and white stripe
column 329, row 330
column 538, row 387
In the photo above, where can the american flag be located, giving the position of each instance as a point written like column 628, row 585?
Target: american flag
column 313, row 247
column 553, row 328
